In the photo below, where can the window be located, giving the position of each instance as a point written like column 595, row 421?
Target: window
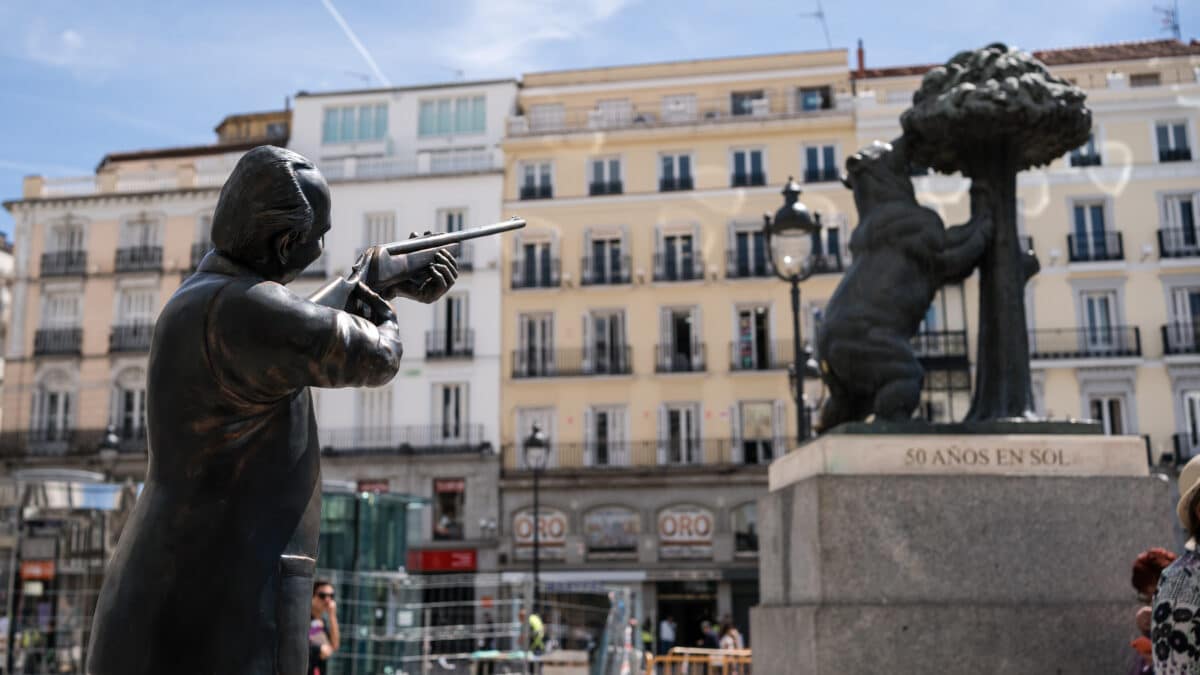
column 606, row 443
column 745, row 528
column 60, row 310
column 375, row 416
column 1183, row 335
column 52, row 418
column 547, row 117
column 379, row 228
column 748, row 102
column 1099, row 311
column 748, row 257
column 752, row 348
column 535, row 340
column 1109, row 410
column 675, row 172
column 604, row 340
column 814, row 98
column 605, row 264
column 451, row 220
column 612, row 113
column 451, row 335
column 680, row 350
column 679, row 433
column 128, row 415
column 678, row 259
column 67, row 236
column 1086, row 154
column 820, row 164
column 748, row 168
column 536, row 180
column 449, row 495
column 139, row 232
column 536, row 266
column 1090, row 240
column 136, row 306
column 1145, row 80
column 460, row 115
column 679, row 108
column 349, row 124
column 1172, row 140
column 1191, row 412
column 1179, row 226
column 604, row 176
column 450, row 413
column 759, row 431
column 827, row 249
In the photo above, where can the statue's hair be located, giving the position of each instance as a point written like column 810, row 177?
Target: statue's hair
column 261, row 199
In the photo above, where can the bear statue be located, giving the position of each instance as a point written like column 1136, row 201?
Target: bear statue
column 902, row 254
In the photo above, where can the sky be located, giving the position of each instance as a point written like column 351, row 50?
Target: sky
column 81, row 78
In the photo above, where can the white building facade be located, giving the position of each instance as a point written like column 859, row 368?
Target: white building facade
column 405, row 160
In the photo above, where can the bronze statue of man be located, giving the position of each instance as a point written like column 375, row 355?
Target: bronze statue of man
column 230, row 513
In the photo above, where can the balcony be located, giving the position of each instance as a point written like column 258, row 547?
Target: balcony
column 199, row 250
column 765, row 355
column 533, row 276
column 64, row 263
column 746, row 266
column 537, row 362
column 82, row 443
column 458, row 344
column 1086, row 343
column 1181, row 338
column 605, row 271
column 433, row 163
column 823, row 175
column 678, row 268
column 132, row 337
column 139, row 259
column 1095, row 247
column 657, row 112
column 676, row 454
column 1175, row 155
column 941, row 349
column 1080, row 159
column 537, row 192
column 679, row 358
column 58, row 341
column 747, row 179
column 675, row 184
column 431, row 439
column 612, row 187
column 1178, row 243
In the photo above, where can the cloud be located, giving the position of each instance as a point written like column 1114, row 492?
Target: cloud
column 88, row 57
column 500, row 35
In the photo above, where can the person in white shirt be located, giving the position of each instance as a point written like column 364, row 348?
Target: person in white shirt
column 666, row 635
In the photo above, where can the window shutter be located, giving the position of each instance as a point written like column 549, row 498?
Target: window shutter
column 662, row 434
column 779, row 428
column 589, row 437
column 697, row 338
column 735, row 432
column 666, row 340
column 586, row 356
column 619, row 431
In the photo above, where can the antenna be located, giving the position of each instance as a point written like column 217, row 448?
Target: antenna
column 1170, row 19
column 820, row 16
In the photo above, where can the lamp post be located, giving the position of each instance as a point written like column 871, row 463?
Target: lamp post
column 107, row 450
column 789, row 239
column 536, row 454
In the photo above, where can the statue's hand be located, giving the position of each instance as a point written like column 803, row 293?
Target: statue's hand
column 424, row 276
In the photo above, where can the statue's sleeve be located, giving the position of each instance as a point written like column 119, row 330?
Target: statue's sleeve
column 265, row 342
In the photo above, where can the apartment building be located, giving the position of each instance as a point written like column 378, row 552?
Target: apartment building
column 1113, row 312
column 96, row 258
column 416, row 159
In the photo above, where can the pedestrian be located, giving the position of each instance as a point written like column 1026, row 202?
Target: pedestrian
column 647, row 636
column 708, row 635
column 535, row 643
column 730, row 641
column 324, row 636
column 666, row 634
column 1147, row 569
column 1176, row 604
column 487, row 643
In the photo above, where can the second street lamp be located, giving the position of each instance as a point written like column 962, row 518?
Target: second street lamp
column 789, row 239
column 537, row 451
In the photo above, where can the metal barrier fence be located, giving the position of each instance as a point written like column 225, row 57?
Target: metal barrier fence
column 686, row 661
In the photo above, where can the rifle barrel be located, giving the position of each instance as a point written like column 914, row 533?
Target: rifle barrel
column 447, row 238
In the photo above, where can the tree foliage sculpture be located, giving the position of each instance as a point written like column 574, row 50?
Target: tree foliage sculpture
column 990, row 114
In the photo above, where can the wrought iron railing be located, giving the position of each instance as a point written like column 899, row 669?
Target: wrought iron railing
column 678, row 268
column 608, row 271
column 139, row 259
column 763, row 355
column 743, row 267
column 1179, row 243
column 679, row 358
column 131, row 337
column 538, row 362
column 537, row 192
column 67, row 442
column 459, row 344
column 449, row 437
column 1085, row 159
column 748, row 179
column 675, row 184
column 1175, row 155
column 821, row 175
column 536, row 276
column 64, row 263
column 618, row 454
column 1086, row 343
column 1096, row 247
column 48, row 341
column 1181, row 338
column 611, row 187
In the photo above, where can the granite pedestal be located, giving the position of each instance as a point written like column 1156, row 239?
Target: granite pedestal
column 954, row 554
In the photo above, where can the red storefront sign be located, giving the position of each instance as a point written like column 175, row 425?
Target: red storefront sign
column 443, row 485
column 40, row 570
column 373, row 485
column 452, row 560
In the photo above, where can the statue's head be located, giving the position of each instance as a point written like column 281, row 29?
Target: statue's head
column 273, row 213
column 879, row 173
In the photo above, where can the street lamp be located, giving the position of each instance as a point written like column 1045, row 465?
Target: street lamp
column 537, row 451
column 790, row 243
column 107, row 451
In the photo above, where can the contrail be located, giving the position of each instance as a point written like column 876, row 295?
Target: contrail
column 337, row 16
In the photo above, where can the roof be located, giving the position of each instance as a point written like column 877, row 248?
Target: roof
column 1117, row 51
column 414, row 87
column 262, row 114
column 673, row 62
column 183, row 151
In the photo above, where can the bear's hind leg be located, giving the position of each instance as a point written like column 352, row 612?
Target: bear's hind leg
column 896, row 400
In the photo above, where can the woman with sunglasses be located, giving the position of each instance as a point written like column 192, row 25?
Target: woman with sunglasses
column 323, row 633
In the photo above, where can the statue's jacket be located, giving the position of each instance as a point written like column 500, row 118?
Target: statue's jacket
column 213, row 572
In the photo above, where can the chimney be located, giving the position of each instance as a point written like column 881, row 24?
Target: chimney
column 862, row 63
column 287, row 102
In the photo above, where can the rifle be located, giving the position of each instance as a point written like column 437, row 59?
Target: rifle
column 447, row 238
